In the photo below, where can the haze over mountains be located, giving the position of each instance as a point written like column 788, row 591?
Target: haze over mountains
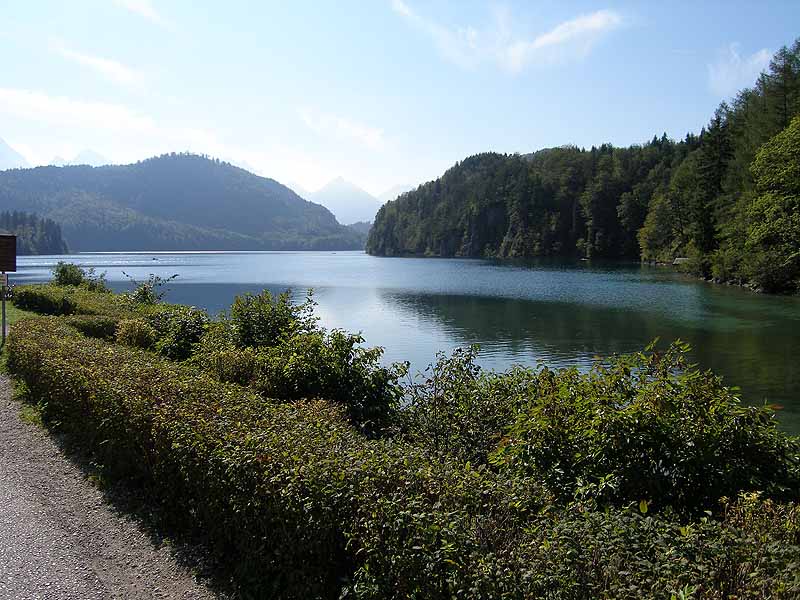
column 84, row 157
column 173, row 202
column 10, row 158
column 348, row 202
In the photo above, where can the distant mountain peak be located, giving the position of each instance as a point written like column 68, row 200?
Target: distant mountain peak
column 10, row 158
column 89, row 157
column 348, row 202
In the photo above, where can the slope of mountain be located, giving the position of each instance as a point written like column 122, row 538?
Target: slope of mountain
column 347, row 201
column 172, row 202
column 10, row 158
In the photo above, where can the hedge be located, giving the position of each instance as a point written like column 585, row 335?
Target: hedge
column 303, row 505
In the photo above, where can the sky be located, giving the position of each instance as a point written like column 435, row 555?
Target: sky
column 379, row 92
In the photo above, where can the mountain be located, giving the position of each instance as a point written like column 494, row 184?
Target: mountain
column 347, row 201
column 172, row 202
column 89, row 157
column 10, row 158
column 394, row 191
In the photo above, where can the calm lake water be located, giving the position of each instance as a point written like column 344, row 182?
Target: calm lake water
column 519, row 312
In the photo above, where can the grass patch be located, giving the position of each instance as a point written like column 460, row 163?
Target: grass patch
column 30, row 413
column 14, row 314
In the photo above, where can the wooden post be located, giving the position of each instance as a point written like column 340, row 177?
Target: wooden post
column 8, row 263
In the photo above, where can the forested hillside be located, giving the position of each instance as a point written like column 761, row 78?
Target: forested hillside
column 172, row 202
column 34, row 234
column 706, row 197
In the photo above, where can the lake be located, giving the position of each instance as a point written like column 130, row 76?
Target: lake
column 529, row 312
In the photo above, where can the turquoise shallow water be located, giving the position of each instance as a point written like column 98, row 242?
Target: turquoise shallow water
column 556, row 313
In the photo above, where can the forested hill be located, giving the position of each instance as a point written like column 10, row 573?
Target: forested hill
column 34, row 234
column 172, row 202
column 702, row 197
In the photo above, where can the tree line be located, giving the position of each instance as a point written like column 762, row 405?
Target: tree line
column 35, row 235
column 725, row 198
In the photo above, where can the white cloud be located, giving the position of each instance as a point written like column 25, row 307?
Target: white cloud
column 60, row 110
column 110, row 69
column 468, row 47
column 143, row 8
column 730, row 72
column 343, row 128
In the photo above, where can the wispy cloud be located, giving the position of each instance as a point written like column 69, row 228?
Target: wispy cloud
column 342, row 128
column 112, row 70
column 60, row 110
column 732, row 72
column 469, row 46
column 143, row 8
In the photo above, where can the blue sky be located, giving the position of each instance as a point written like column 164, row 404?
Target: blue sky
column 380, row 92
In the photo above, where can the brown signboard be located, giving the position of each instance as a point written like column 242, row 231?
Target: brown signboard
column 8, row 253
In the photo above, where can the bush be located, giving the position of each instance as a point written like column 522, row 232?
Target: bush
column 65, row 273
column 69, row 274
column 45, row 299
column 332, row 366
column 96, row 326
column 179, row 328
column 302, row 505
column 136, row 333
column 260, row 321
column 649, row 427
column 461, row 410
column 53, row 299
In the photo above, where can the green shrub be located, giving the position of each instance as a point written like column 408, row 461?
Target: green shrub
column 148, row 292
column 261, row 320
column 136, row 333
column 45, row 299
column 333, row 366
column 69, row 274
column 65, row 273
column 649, row 426
column 96, row 326
column 461, row 410
column 302, row 505
column 178, row 327
column 53, row 299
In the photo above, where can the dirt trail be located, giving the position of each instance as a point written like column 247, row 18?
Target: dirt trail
column 58, row 537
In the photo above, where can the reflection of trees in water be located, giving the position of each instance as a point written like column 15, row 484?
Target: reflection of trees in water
column 756, row 357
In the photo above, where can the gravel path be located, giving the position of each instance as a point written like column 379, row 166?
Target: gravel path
column 60, row 540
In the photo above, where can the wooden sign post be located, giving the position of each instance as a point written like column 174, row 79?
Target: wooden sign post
column 8, row 263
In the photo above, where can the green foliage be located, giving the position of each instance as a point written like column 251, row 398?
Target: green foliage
column 299, row 504
column 65, row 273
column 648, row 426
column 332, row 365
column 773, row 237
column 97, row 326
column 149, row 292
column 178, row 328
column 136, row 333
column 460, row 410
column 279, row 349
column 47, row 300
column 260, row 321
column 70, row 274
